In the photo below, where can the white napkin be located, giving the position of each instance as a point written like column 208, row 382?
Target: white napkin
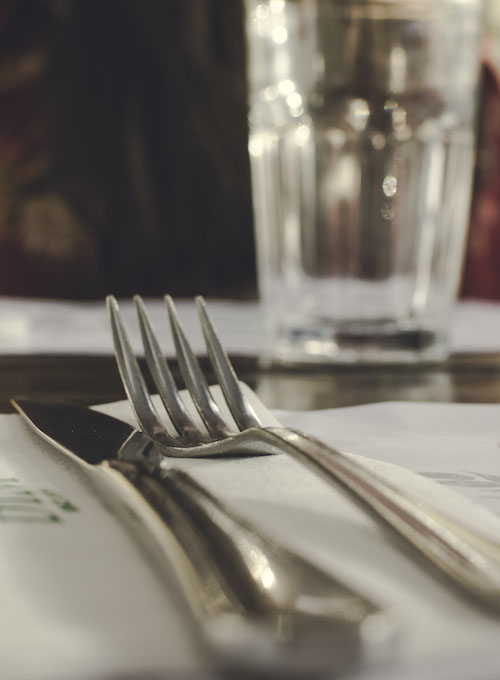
column 80, row 599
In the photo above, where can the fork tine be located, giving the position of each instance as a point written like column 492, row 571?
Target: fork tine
column 163, row 379
column 241, row 410
column 194, row 378
column 133, row 380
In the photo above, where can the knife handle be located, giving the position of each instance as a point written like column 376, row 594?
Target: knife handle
column 259, row 606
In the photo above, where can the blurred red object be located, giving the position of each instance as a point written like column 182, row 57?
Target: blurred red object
column 482, row 264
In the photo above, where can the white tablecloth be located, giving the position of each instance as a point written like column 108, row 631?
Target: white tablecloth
column 51, row 327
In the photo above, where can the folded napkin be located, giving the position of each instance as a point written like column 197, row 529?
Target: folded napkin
column 81, row 600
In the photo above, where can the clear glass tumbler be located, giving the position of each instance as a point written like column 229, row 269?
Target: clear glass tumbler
column 361, row 143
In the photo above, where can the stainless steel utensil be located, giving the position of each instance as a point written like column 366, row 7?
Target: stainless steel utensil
column 261, row 608
column 467, row 558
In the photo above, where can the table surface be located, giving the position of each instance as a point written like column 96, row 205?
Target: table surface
column 94, row 379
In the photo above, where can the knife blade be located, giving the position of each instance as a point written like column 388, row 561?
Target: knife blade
column 90, row 435
column 242, row 608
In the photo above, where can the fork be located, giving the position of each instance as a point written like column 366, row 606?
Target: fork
column 470, row 560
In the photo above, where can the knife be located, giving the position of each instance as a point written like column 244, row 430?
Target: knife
column 258, row 606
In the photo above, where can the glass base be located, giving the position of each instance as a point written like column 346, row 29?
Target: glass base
column 358, row 342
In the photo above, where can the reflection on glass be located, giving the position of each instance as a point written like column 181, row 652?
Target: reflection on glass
column 361, row 169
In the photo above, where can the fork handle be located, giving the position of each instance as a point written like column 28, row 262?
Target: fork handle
column 472, row 561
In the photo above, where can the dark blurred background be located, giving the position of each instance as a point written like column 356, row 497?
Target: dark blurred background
column 123, row 159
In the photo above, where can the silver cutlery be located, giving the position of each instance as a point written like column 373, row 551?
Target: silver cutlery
column 260, row 608
column 470, row 560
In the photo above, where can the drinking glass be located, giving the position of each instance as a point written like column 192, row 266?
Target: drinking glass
column 362, row 144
